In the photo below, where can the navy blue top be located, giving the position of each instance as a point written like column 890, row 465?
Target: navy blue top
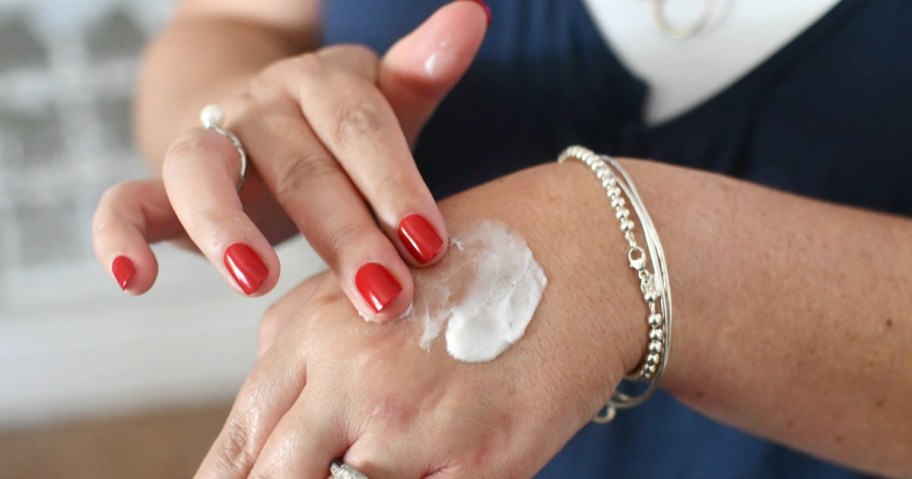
column 828, row 116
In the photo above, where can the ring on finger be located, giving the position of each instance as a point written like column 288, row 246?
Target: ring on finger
column 341, row 470
column 212, row 117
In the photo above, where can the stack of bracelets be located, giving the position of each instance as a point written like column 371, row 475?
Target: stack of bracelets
column 650, row 268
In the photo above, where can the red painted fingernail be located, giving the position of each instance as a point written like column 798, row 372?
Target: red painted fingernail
column 377, row 285
column 123, row 270
column 487, row 9
column 420, row 238
column 248, row 270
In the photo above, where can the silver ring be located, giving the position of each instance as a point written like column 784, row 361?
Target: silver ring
column 340, row 470
column 212, row 117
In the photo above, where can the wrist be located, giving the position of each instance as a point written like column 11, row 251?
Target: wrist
column 687, row 207
column 591, row 320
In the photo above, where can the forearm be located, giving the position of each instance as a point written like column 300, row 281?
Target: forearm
column 792, row 315
column 745, row 262
column 201, row 58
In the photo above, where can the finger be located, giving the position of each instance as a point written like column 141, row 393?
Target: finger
column 414, row 76
column 421, row 68
column 200, row 174
column 268, row 393
column 361, row 131
column 395, row 454
column 130, row 216
column 326, row 207
column 306, row 440
column 281, row 314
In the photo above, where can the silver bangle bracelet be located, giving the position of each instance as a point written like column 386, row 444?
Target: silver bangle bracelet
column 651, row 270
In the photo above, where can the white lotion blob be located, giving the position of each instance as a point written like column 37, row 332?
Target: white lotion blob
column 486, row 290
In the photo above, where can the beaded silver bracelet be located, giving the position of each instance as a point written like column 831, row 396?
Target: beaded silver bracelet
column 650, row 268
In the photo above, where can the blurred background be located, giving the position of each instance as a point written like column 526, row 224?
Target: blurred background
column 95, row 383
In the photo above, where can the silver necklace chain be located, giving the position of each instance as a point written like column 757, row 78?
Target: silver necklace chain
column 682, row 32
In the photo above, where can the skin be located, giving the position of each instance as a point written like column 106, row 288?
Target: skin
column 327, row 132
column 792, row 322
column 743, row 269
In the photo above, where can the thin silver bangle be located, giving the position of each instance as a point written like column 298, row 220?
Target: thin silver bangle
column 654, row 284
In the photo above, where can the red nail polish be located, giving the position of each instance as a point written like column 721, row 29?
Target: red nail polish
column 487, row 9
column 377, row 285
column 420, row 238
column 123, row 270
column 246, row 267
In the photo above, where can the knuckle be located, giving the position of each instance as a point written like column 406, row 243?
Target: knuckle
column 118, row 190
column 281, row 75
column 186, row 145
column 298, row 174
column 186, row 148
column 354, row 120
column 270, row 323
column 351, row 53
column 112, row 207
column 340, row 237
column 235, row 450
column 271, row 79
column 457, row 471
column 389, row 187
column 101, row 226
column 308, row 65
column 321, row 302
column 117, row 193
column 260, row 85
column 363, row 53
column 245, row 100
column 207, row 220
column 394, row 412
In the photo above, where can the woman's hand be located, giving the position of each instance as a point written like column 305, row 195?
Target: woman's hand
column 328, row 135
column 748, row 310
column 331, row 386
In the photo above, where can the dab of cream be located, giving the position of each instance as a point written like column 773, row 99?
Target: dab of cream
column 486, row 291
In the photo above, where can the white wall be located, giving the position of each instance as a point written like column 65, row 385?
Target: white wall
column 71, row 343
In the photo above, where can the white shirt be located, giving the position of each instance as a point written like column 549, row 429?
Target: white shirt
column 681, row 74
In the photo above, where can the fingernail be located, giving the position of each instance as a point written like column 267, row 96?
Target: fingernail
column 123, row 270
column 378, row 287
column 247, row 269
column 487, row 9
column 420, row 238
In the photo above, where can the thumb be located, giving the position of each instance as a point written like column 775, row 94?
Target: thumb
column 421, row 68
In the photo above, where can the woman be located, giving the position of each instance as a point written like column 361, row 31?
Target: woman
column 793, row 319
